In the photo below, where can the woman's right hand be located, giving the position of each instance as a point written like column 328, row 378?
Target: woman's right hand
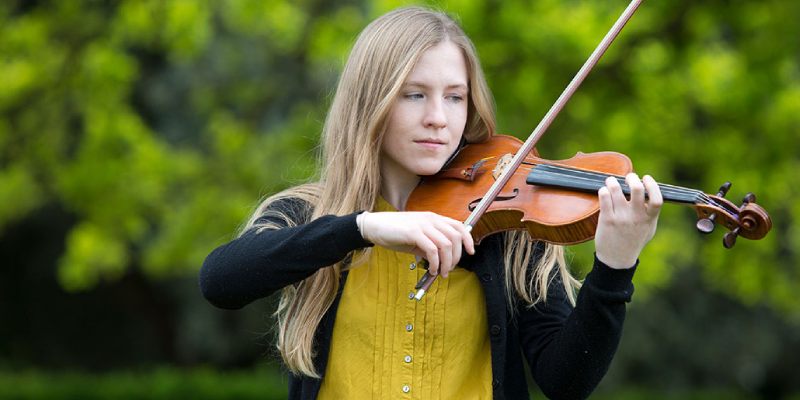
column 425, row 234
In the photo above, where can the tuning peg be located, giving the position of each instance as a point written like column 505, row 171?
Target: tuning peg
column 706, row 225
column 748, row 198
column 723, row 190
column 730, row 238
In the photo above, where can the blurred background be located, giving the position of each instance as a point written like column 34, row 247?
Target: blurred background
column 135, row 136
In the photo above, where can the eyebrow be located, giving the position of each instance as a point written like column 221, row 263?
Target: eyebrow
column 450, row 86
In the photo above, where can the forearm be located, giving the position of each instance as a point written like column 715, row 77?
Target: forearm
column 571, row 352
column 257, row 264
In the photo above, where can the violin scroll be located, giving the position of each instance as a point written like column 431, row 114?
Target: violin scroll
column 748, row 220
column 754, row 222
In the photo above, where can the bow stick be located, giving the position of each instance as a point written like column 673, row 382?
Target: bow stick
column 427, row 280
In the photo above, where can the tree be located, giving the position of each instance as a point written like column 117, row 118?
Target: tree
column 158, row 124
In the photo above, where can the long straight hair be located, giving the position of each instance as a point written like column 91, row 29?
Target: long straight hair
column 349, row 180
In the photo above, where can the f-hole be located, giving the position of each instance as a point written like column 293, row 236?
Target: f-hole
column 474, row 203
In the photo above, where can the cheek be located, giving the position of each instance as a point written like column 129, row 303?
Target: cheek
column 393, row 143
column 399, row 116
column 458, row 124
column 393, row 137
column 392, row 129
column 459, row 114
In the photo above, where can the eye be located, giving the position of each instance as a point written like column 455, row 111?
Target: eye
column 413, row 96
column 455, row 98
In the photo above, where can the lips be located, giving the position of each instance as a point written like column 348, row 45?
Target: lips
column 430, row 144
column 429, row 141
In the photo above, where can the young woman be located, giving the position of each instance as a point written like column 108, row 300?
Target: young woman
column 342, row 250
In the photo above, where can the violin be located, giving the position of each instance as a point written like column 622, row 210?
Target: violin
column 556, row 201
column 503, row 184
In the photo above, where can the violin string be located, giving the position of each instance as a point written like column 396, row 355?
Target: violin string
column 573, row 172
column 597, row 181
column 698, row 196
column 671, row 189
column 671, row 192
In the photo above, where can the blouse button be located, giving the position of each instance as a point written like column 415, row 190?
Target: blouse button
column 409, row 327
column 406, row 389
column 407, row 359
column 410, row 295
column 495, row 330
column 412, row 266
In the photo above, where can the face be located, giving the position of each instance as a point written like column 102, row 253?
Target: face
column 428, row 117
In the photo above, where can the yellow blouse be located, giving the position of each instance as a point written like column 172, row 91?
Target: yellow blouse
column 386, row 345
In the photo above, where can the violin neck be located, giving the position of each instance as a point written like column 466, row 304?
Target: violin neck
column 591, row 182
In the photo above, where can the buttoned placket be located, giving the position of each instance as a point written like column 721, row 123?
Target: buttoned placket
column 407, row 331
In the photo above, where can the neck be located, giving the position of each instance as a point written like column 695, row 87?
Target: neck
column 396, row 187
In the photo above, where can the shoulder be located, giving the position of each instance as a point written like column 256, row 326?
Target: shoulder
column 285, row 211
column 290, row 207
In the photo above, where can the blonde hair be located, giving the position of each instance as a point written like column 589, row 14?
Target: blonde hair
column 382, row 57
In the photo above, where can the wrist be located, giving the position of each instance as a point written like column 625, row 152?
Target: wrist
column 615, row 262
column 360, row 224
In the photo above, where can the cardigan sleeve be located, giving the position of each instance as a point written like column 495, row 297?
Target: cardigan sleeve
column 569, row 350
column 258, row 263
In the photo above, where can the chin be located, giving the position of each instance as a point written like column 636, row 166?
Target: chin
column 427, row 170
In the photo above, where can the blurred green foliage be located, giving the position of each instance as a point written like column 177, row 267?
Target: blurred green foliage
column 162, row 383
column 159, row 124
column 202, row 384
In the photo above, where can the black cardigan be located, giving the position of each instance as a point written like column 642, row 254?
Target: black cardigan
column 568, row 350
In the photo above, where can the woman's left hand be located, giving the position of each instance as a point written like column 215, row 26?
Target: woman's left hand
column 625, row 226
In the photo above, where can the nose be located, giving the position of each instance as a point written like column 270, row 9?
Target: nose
column 435, row 116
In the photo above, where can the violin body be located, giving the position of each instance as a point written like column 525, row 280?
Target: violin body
column 556, row 201
column 546, row 212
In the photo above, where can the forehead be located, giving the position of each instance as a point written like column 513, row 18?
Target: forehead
column 442, row 63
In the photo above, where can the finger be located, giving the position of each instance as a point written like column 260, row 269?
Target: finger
column 420, row 256
column 456, row 241
column 445, row 261
column 636, row 188
column 469, row 242
column 465, row 237
column 454, row 238
column 431, row 253
column 606, row 205
column 615, row 190
column 655, row 199
column 444, row 249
